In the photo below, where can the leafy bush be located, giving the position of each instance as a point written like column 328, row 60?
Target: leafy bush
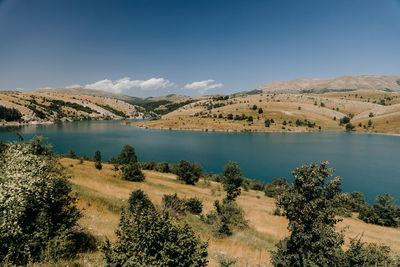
column 188, row 172
column 36, row 206
column 194, row 205
column 276, row 187
column 384, row 212
column 173, row 205
column 131, row 172
column 163, row 167
column 225, row 218
column 362, row 254
column 147, row 238
column 71, row 154
column 149, row 165
column 98, row 165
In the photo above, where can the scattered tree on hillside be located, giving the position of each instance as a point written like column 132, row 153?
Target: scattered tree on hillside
column 233, row 180
column 132, row 172
column 188, row 172
column 310, row 204
column 127, row 155
column 97, row 155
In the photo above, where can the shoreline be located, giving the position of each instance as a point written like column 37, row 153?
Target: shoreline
column 244, row 131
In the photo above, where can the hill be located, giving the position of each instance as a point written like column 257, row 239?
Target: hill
column 370, row 111
column 46, row 106
column 343, row 83
column 102, row 195
column 88, row 92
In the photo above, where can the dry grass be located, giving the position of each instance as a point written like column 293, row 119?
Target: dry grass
column 318, row 108
column 102, row 195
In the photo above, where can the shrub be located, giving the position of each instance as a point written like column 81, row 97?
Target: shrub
column 98, row 165
column 384, row 212
column 36, row 206
column 147, row 238
column 362, row 254
column 276, row 187
column 344, row 120
column 233, row 179
column 163, row 167
column 188, row 172
column 173, row 205
column 148, row 165
column 131, row 172
column 127, row 155
column 226, row 217
column 194, row 205
column 71, row 154
column 349, row 127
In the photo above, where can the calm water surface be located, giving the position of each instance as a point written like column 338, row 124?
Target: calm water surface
column 368, row 163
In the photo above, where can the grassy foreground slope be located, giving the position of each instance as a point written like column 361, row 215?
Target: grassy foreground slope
column 101, row 195
column 289, row 112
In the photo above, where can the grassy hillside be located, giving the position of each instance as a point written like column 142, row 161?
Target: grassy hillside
column 288, row 112
column 48, row 106
column 101, row 195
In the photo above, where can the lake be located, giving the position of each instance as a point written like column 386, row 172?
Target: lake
column 368, row 163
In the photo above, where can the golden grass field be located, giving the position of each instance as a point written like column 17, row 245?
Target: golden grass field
column 320, row 109
column 101, row 195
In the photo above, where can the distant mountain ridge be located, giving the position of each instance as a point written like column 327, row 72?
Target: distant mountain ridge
column 89, row 92
column 342, row 83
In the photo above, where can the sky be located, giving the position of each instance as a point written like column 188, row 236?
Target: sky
column 193, row 47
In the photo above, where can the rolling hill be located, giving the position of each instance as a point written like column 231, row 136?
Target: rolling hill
column 342, row 83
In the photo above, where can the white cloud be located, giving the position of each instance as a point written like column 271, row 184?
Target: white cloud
column 126, row 84
column 203, row 86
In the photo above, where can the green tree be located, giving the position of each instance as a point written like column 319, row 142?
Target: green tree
column 383, row 212
column 260, row 110
column 254, row 107
column 349, row 127
column 127, row 155
column 97, row 156
column 38, row 215
column 361, row 254
column 132, row 172
column 147, row 238
column 233, row 179
column 188, row 172
column 310, row 204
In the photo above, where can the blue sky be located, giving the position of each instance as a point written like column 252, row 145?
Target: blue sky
column 193, row 47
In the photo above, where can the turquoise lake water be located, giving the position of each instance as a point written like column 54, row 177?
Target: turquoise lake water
column 368, row 163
